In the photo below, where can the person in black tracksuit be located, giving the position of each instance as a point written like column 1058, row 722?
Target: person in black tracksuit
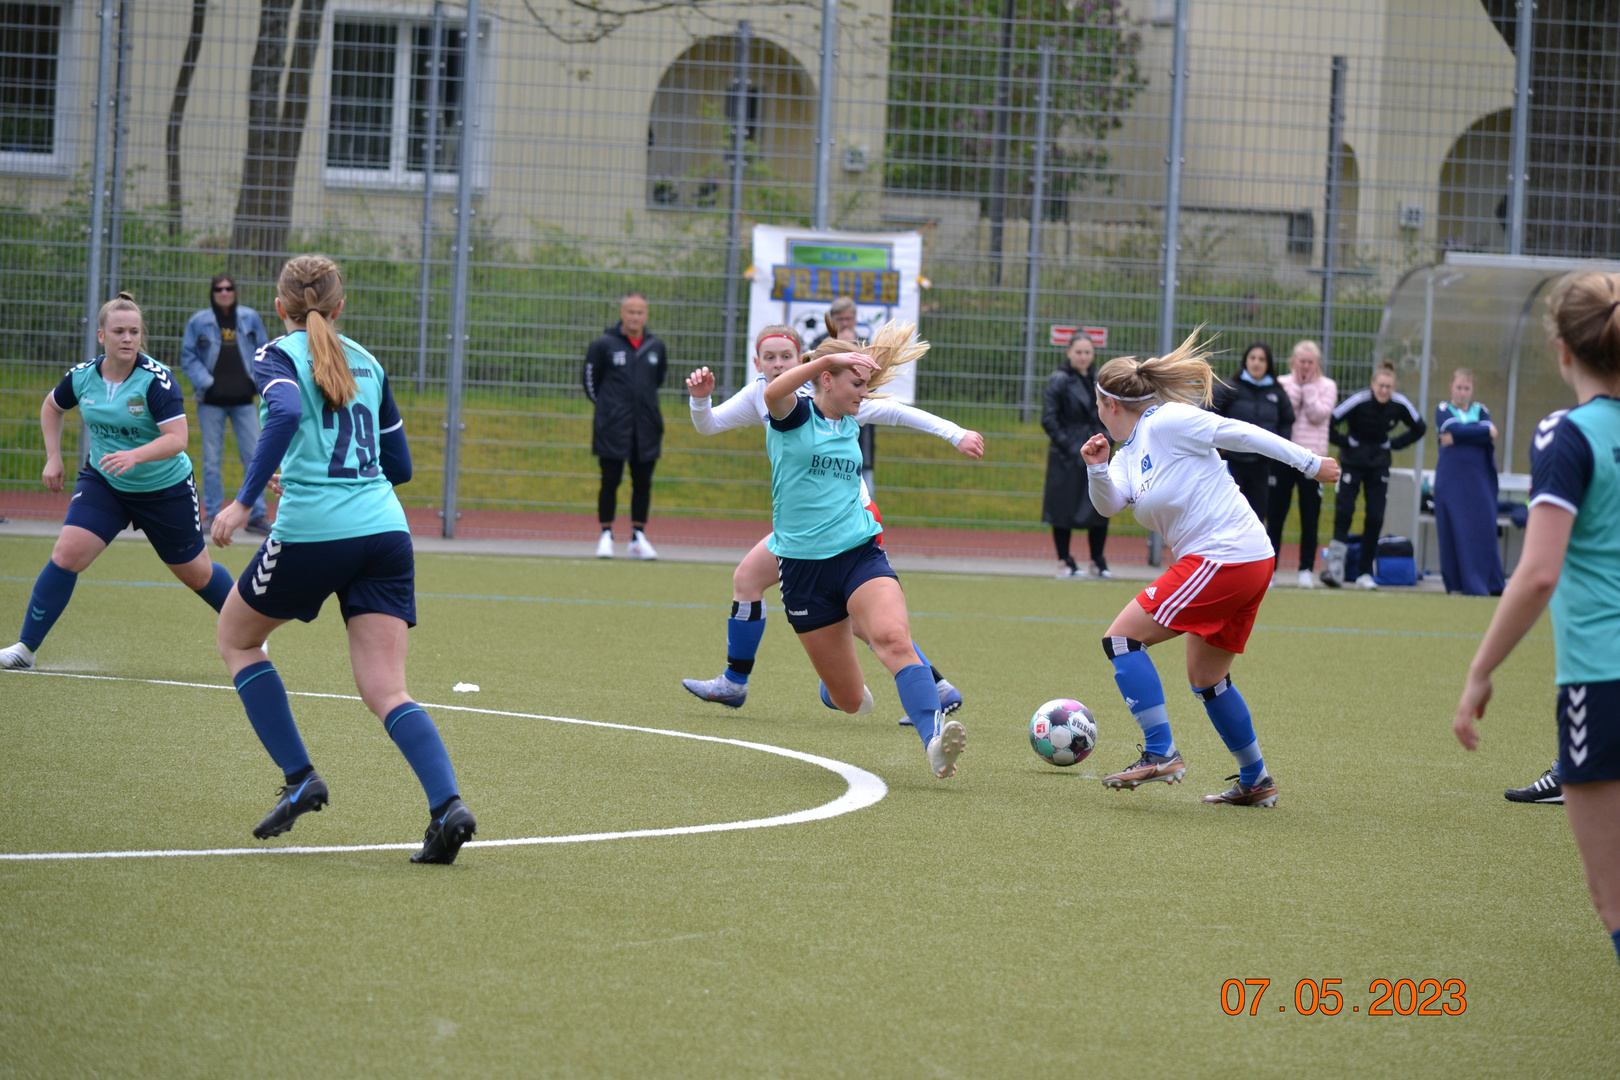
column 1361, row 428
column 623, row 370
column 1255, row 398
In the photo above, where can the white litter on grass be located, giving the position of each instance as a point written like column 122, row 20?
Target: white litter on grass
column 465, row 688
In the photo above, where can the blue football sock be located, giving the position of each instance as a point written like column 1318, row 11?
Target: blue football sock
column 1615, row 937
column 743, row 631
column 265, row 699
column 413, row 732
column 218, row 587
column 1139, row 685
column 915, row 682
column 1230, row 715
column 52, row 591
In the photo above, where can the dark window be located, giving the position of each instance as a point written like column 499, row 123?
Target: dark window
column 446, row 145
column 30, row 37
column 362, row 110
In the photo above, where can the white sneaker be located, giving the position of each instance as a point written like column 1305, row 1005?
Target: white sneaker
column 641, row 549
column 1366, row 581
column 17, row 657
column 1065, row 572
column 604, row 546
column 1101, row 571
column 945, row 747
column 1306, row 580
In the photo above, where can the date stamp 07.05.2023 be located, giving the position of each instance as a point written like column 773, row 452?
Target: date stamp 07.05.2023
column 1402, row 997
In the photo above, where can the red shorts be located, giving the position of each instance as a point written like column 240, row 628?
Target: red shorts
column 1216, row 601
column 871, row 508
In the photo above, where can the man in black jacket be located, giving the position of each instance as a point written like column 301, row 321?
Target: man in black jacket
column 1361, row 428
column 623, row 370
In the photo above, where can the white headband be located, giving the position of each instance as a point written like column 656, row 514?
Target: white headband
column 1116, row 397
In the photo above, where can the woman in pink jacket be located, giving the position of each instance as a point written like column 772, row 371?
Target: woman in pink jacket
column 1314, row 396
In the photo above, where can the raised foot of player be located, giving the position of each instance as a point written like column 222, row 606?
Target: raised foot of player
column 1149, row 767
column 718, row 689
column 1263, row 792
column 446, row 832
column 950, row 699
column 17, row 657
column 945, row 747
column 296, row 799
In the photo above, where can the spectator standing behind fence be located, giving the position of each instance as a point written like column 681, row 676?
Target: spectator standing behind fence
column 1313, row 396
column 1361, row 427
column 1255, row 398
column 1069, row 415
column 623, row 370
column 840, row 319
column 219, row 343
column 1465, row 492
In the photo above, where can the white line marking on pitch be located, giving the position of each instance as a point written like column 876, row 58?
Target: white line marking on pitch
column 865, row 789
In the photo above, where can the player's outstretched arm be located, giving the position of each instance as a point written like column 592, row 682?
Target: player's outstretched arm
column 898, row 414
column 780, row 393
column 740, row 410
column 1243, row 437
column 1546, row 539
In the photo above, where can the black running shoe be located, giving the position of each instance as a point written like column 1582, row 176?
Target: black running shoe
column 1548, row 789
column 446, row 833
column 296, row 799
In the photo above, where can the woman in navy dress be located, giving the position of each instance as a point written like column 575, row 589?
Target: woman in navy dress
column 1465, row 492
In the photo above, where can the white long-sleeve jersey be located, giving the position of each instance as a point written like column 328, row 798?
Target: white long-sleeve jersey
column 1170, row 474
column 746, row 408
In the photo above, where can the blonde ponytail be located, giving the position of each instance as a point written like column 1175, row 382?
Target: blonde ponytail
column 895, row 344
column 1183, row 375
column 310, row 289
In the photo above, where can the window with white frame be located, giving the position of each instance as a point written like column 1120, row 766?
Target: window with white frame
column 30, row 84
column 378, row 101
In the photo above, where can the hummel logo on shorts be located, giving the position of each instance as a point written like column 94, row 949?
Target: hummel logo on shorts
column 801, row 614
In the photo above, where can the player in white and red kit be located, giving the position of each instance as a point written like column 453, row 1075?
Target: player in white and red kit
column 1169, row 471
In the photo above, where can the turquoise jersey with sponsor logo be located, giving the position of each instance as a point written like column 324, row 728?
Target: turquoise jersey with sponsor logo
column 331, row 475
column 816, row 506
column 1575, row 465
column 125, row 415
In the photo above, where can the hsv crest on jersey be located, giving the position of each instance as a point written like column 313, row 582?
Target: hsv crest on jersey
column 1147, row 463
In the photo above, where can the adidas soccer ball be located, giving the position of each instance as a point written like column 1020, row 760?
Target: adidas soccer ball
column 1063, row 732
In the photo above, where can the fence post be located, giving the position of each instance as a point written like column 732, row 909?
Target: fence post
column 1002, row 122
column 1423, row 404
column 1519, row 164
column 98, row 183
column 1330, row 218
column 429, row 166
column 466, row 159
column 1036, row 213
column 739, row 139
column 1173, row 162
column 120, row 143
column 824, row 106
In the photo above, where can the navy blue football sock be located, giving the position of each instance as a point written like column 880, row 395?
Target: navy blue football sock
column 1615, row 937
column 1139, row 685
column 265, row 699
column 919, row 698
column 743, row 631
column 218, row 587
column 413, row 732
column 52, row 591
column 1230, row 715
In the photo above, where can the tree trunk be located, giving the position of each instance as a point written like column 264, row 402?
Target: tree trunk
column 1002, row 122
column 254, row 229
column 294, row 112
column 177, row 111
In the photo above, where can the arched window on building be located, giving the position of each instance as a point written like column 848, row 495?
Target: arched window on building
column 689, row 133
column 1344, row 252
column 1472, row 211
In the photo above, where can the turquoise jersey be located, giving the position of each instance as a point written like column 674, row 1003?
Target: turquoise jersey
column 126, row 415
column 1575, row 464
column 332, row 481
column 816, row 508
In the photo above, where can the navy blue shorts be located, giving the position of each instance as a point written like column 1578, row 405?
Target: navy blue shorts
column 816, row 592
column 169, row 517
column 1589, row 732
column 371, row 575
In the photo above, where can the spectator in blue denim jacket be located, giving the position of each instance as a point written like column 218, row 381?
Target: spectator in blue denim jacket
column 219, row 345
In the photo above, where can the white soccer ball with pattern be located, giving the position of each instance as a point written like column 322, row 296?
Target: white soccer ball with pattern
column 1063, row 731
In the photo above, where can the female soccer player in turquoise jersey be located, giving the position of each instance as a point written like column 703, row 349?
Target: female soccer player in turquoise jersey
column 137, row 472
column 331, row 425
column 1572, row 558
column 825, row 539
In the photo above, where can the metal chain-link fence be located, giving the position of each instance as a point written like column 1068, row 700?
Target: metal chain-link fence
column 1301, row 156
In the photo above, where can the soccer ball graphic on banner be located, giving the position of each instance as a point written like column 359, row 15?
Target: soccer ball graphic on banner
column 1062, row 731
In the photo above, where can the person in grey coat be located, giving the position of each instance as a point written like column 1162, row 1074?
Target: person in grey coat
column 1069, row 415
column 216, row 355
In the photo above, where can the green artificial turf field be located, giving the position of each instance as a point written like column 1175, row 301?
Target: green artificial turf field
column 1017, row 921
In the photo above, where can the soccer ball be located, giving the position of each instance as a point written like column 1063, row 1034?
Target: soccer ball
column 1062, row 731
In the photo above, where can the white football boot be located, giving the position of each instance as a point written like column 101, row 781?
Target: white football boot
column 641, row 549
column 17, row 657
column 604, row 546
column 945, row 747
